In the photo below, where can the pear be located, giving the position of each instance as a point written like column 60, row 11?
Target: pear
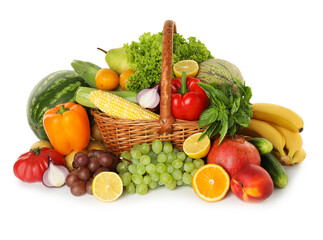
column 116, row 59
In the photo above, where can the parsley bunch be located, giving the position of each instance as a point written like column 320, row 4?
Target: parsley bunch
column 229, row 110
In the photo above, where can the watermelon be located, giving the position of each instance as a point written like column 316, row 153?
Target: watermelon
column 58, row 87
column 219, row 71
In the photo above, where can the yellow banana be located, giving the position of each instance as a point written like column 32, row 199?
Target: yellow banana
column 278, row 115
column 299, row 156
column 283, row 159
column 263, row 129
column 294, row 140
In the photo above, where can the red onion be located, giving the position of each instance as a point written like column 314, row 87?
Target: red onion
column 55, row 175
column 149, row 98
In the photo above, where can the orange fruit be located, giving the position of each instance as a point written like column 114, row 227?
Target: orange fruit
column 123, row 79
column 106, row 79
column 211, row 182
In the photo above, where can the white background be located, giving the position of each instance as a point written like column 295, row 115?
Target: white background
column 277, row 45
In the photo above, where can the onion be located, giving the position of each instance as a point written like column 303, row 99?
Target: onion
column 55, row 175
column 149, row 98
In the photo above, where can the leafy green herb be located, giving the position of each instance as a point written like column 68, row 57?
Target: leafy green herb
column 229, row 110
column 208, row 116
column 144, row 57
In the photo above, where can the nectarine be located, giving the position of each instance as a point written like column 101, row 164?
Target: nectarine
column 252, row 183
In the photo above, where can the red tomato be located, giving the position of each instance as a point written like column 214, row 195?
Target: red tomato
column 31, row 165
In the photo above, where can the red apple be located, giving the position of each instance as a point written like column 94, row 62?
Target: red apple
column 233, row 154
column 252, row 183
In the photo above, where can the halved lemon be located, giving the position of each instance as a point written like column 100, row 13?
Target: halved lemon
column 195, row 148
column 211, row 182
column 191, row 68
column 107, row 186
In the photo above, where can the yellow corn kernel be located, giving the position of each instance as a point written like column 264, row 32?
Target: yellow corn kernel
column 116, row 106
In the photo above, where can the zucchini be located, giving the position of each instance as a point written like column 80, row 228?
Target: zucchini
column 276, row 171
column 262, row 144
column 86, row 70
column 82, row 96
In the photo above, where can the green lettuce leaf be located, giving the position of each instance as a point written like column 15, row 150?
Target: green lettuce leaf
column 144, row 57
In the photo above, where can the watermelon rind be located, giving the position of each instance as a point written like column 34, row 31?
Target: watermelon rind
column 58, row 87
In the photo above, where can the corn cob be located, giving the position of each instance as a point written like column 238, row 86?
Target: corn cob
column 116, row 106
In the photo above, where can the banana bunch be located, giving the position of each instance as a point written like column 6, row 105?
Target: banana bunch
column 282, row 127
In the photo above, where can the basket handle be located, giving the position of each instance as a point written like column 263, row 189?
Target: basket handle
column 166, row 118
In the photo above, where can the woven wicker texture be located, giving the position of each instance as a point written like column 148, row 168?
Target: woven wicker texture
column 121, row 135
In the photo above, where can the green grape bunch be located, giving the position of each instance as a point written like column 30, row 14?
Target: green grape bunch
column 147, row 167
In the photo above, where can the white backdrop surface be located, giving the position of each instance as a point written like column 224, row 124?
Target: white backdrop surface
column 277, row 46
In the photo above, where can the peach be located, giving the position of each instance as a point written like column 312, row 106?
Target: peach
column 252, row 183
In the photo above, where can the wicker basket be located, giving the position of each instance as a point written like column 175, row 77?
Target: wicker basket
column 121, row 135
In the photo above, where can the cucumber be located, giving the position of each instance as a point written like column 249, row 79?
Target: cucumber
column 263, row 145
column 82, row 96
column 86, row 70
column 276, row 171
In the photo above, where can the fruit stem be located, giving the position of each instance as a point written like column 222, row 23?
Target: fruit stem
column 62, row 109
column 183, row 88
column 127, row 160
column 240, row 139
column 35, row 151
column 102, row 50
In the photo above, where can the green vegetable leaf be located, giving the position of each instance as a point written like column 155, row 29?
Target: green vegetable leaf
column 216, row 102
column 239, row 128
column 208, row 116
column 214, row 84
column 224, row 128
column 235, row 106
column 211, row 93
column 232, row 130
column 231, row 101
column 211, row 130
column 144, row 57
column 222, row 97
column 242, row 119
column 225, row 89
column 216, row 93
column 231, row 121
column 248, row 94
column 215, row 129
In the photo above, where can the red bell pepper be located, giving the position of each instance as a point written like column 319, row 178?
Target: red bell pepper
column 188, row 99
column 31, row 165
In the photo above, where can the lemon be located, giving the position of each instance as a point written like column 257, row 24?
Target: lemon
column 107, row 186
column 191, row 68
column 197, row 149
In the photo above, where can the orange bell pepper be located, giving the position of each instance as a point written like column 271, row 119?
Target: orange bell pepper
column 67, row 127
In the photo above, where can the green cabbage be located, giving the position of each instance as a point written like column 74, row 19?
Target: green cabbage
column 144, row 57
